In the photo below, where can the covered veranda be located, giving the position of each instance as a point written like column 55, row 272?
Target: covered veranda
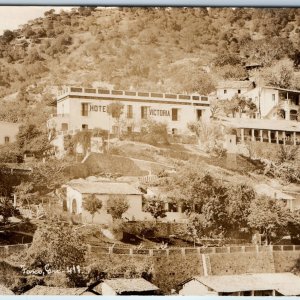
column 265, row 130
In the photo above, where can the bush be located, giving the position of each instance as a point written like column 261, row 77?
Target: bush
column 154, row 133
column 140, row 229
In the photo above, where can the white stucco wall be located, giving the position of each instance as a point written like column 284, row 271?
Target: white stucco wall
column 134, row 211
column 99, row 118
column 265, row 100
column 230, row 93
column 9, row 130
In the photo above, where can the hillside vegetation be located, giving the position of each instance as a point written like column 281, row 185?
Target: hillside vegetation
column 92, row 46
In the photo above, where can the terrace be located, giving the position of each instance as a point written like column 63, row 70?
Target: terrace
column 132, row 94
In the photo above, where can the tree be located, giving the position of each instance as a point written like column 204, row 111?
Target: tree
column 156, row 208
column 115, row 110
column 33, row 56
column 10, row 154
column 31, row 139
column 280, row 74
column 210, row 136
column 240, row 198
column 7, row 210
column 25, row 194
column 92, row 205
column 117, row 206
column 82, row 138
column 58, row 245
column 154, row 133
column 269, row 216
column 7, row 36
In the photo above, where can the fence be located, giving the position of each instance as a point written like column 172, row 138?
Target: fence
column 186, row 251
column 94, row 250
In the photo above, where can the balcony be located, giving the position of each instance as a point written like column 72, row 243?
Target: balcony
column 119, row 94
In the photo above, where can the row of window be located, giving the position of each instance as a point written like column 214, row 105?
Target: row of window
column 129, row 113
column 225, row 91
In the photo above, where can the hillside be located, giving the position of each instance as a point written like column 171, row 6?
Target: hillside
column 186, row 50
column 101, row 47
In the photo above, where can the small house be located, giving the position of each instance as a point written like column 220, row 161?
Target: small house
column 125, row 286
column 59, row 291
column 77, row 192
column 229, row 88
column 264, row 284
column 8, row 132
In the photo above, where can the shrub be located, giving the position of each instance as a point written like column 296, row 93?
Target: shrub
column 154, row 133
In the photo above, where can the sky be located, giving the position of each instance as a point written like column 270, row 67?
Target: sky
column 13, row 16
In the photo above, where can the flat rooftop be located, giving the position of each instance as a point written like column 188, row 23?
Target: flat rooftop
column 97, row 92
column 265, row 124
column 286, row 284
column 103, row 187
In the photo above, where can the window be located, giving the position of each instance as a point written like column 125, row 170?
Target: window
column 129, row 112
column 173, row 207
column 64, row 126
column 6, row 140
column 225, row 91
column 85, row 126
column 273, row 97
column 129, row 129
column 199, row 114
column 174, row 130
column 84, row 109
column 174, row 114
column 143, row 112
column 239, row 91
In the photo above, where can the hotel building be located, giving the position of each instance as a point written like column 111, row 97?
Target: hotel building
column 86, row 108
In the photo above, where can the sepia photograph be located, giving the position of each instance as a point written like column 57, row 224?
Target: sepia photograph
column 149, row 151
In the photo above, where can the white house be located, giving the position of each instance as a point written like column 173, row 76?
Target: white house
column 274, row 102
column 78, row 190
column 229, row 88
column 126, row 286
column 264, row 284
column 8, row 132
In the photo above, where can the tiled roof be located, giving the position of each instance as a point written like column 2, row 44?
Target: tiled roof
column 282, row 89
column 284, row 283
column 5, row 291
column 50, row 290
column 122, row 285
column 266, row 124
column 103, row 187
column 235, row 84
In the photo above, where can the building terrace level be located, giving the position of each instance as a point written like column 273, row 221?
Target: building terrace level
column 120, row 94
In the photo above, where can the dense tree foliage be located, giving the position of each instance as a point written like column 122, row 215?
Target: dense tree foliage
column 57, row 245
column 117, row 205
column 222, row 209
column 206, row 45
column 92, row 205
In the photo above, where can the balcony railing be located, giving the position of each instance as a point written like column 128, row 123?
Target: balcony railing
column 191, row 97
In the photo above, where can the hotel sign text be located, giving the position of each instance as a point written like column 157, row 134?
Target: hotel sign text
column 159, row 112
column 99, row 108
